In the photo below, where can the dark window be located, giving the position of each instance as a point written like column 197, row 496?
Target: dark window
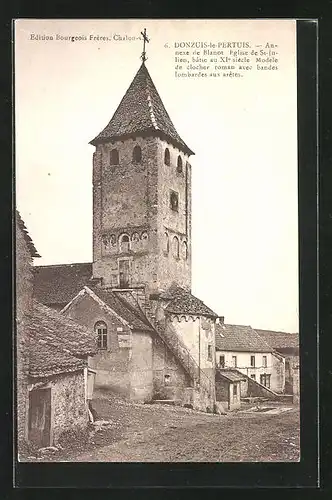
column 101, row 331
column 210, row 352
column 253, row 376
column 114, row 157
column 179, row 165
column 252, row 361
column 167, row 158
column 166, row 243
column 124, row 243
column 184, row 250
column 175, row 247
column 137, row 154
column 234, row 358
column 235, row 390
column 265, row 380
column 265, row 361
column 222, row 361
column 174, row 201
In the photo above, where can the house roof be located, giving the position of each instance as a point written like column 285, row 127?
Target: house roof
column 184, row 302
column 239, row 338
column 141, row 110
column 27, row 237
column 58, row 284
column 279, row 340
column 56, row 343
column 124, row 307
column 231, row 375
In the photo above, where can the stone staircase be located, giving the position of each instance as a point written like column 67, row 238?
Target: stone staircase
column 199, row 378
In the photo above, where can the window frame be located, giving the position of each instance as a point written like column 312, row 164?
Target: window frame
column 101, row 331
column 264, row 361
column 209, row 352
column 253, row 361
column 167, row 157
column 234, row 361
column 179, row 165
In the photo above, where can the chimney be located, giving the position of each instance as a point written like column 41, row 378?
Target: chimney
column 221, row 320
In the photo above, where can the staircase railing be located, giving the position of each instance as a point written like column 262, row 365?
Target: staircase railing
column 181, row 352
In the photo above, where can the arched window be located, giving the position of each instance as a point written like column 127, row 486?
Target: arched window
column 114, row 157
column 144, row 239
column 101, row 332
column 166, row 243
column 137, row 154
column 124, row 243
column 184, row 250
column 179, row 165
column 167, row 158
column 135, row 241
column 176, row 247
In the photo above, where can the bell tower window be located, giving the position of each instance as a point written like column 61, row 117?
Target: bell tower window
column 114, row 157
column 179, row 165
column 174, row 201
column 124, row 243
column 176, row 247
column 167, row 158
column 137, row 154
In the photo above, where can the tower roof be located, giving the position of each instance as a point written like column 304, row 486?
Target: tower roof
column 141, row 111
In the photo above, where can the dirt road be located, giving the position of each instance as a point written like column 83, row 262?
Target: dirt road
column 159, row 433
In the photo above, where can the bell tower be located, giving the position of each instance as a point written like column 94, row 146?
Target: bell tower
column 141, row 194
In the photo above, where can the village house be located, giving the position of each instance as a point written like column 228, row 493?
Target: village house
column 51, row 362
column 156, row 340
column 287, row 345
column 241, row 348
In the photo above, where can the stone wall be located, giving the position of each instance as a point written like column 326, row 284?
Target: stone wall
column 278, row 373
column 125, row 367
column 169, row 376
column 174, row 223
column 133, row 199
column 24, row 291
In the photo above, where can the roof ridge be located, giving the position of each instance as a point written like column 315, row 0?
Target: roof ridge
column 66, row 264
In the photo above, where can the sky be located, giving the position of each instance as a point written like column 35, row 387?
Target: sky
column 243, row 132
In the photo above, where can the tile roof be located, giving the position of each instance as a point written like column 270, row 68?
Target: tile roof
column 56, row 343
column 27, row 237
column 239, row 338
column 58, row 284
column 279, row 340
column 121, row 304
column 184, row 302
column 231, row 375
column 141, row 110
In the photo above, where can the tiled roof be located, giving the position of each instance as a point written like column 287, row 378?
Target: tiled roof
column 141, row 110
column 121, row 305
column 279, row 340
column 239, row 338
column 27, row 237
column 58, row 284
column 56, row 342
column 231, row 375
column 184, row 302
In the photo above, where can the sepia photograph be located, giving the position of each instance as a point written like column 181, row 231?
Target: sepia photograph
column 156, row 241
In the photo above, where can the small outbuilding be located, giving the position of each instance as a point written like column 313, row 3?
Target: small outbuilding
column 228, row 388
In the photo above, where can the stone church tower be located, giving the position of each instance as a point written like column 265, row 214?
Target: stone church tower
column 141, row 195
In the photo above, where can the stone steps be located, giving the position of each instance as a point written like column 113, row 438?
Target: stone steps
column 172, row 402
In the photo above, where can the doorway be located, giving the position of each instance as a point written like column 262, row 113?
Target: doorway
column 124, row 273
column 40, row 417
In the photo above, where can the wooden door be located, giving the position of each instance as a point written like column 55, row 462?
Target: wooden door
column 40, row 417
column 124, row 273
